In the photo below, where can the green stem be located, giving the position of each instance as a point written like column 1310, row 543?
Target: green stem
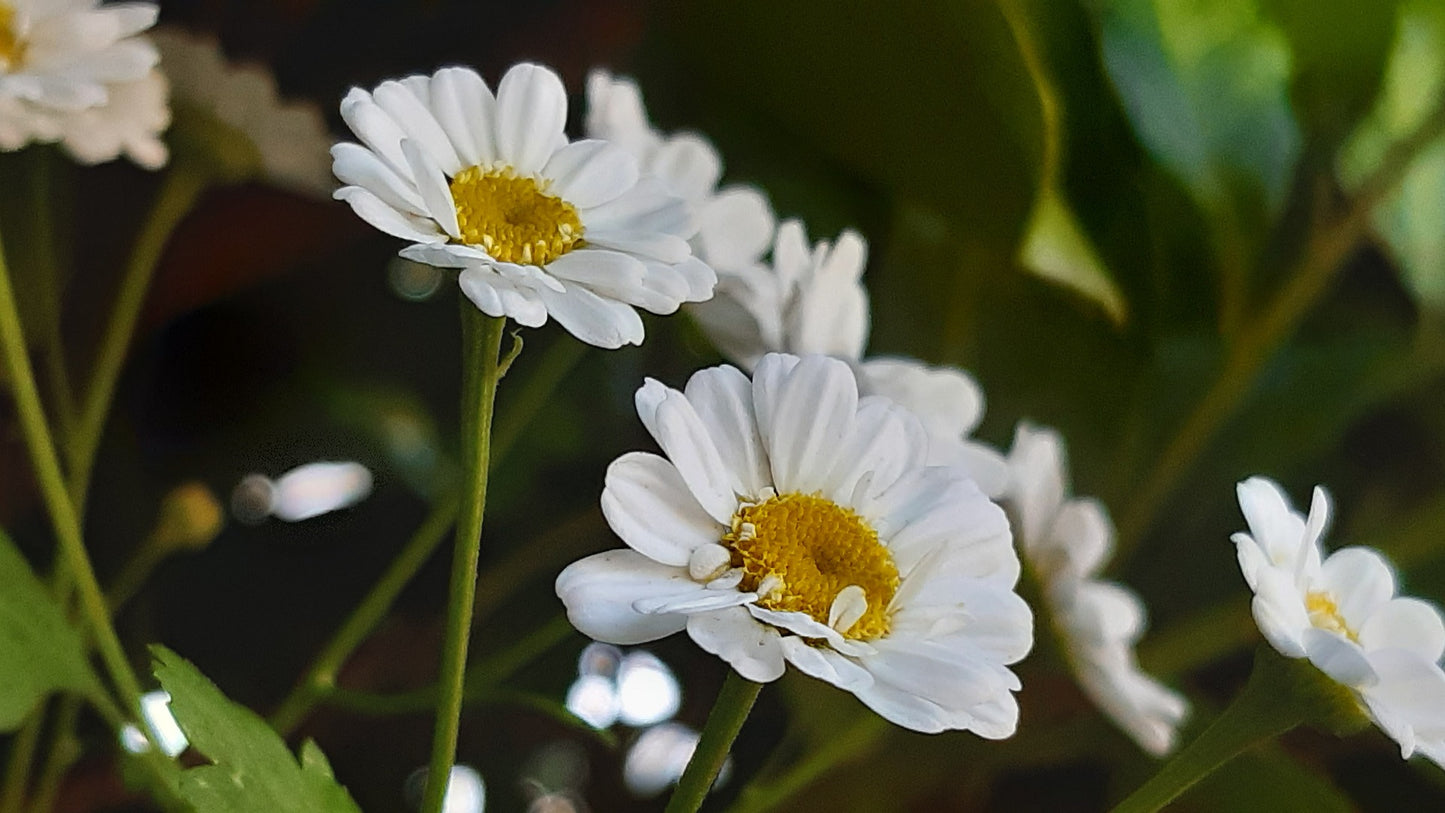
column 63, row 751
column 22, row 754
column 321, row 675
column 1281, row 694
column 847, row 745
column 180, row 189
column 481, row 347
column 57, row 499
column 1329, row 246
column 729, row 713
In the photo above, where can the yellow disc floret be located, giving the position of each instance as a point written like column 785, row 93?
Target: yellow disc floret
column 799, row 551
column 12, row 48
column 1325, row 614
column 512, row 217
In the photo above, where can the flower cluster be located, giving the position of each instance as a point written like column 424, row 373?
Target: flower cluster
column 1341, row 612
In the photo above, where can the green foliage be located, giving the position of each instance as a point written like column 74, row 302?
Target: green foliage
column 40, row 652
column 1409, row 219
column 252, row 770
column 1267, row 778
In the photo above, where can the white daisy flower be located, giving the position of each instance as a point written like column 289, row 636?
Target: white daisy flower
column 538, row 225
column 76, row 72
column 794, row 522
column 1065, row 542
column 1342, row 614
column 812, row 300
column 290, row 138
column 735, row 223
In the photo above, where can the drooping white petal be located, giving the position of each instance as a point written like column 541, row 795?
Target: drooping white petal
column 1337, row 656
column 753, row 649
column 684, row 437
column 825, row 664
column 594, row 319
column 356, row 165
column 600, row 590
column 431, row 185
column 647, row 503
column 371, row 209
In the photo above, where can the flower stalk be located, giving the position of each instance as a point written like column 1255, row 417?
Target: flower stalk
column 728, row 714
column 481, row 370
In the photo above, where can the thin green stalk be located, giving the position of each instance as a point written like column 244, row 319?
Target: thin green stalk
column 22, row 754
column 481, row 348
column 63, row 752
column 847, row 745
column 321, row 675
column 1281, row 694
column 180, row 188
column 729, row 713
column 52, row 487
column 1256, row 343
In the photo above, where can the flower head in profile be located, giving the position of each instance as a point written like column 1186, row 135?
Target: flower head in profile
column 1341, row 612
column 78, row 73
column 289, row 139
column 1065, row 542
column 792, row 521
column 538, row 226
column 735, row 222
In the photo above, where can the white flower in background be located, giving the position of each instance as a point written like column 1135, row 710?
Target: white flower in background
column 538, row 226
column 812, row 300
column 735, row 223
column 1065, row 542
column 794, row 522
column 290, row 137
column 75, row 72
column 1341, row 613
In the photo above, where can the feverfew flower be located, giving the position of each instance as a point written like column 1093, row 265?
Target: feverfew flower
column 538, row 225
column 290, row 138
column 76, row 72
column 1341, row 613
column 794, row 522
column 735, row 223
column 812, row 300
column 1065, row 542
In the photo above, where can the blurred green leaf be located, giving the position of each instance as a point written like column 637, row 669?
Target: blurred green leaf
column 1267, row 778
column 252, row 768
column 1409, row 220
column 40, row 652
column 1205, row 83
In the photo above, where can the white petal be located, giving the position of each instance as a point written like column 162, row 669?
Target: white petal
column 609, row 274
column 948, row 400
column 597, row 321
column 1340, row 658
column 1406, row 623
column 685, row 438
column 1277, row 529
column 448, row 255
column 825, row 664
column 805, row 426
column 467, row 112
column 709, row 601
column 735, row 227
column 830, row 313
column 1359, row 580
column 647, row 504
column 1408, row 701
column 413, row 116
column 355, row 165
column 723, row 400
column 495, row 295
column 590, row 173
column 431, row 184
column 668, row 248
column 376, row 129
column 886, row 441
column 751, row 648
column 599, row 592
column 397, row 224
column 531, row 112
column 646, row 208
column 1039, row 478
column 1079, row 542
column 701, row 279
column 985, row 464
column 769, row 378
column 688, row 164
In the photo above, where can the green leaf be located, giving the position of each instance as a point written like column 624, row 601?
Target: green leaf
column 1268, row 778
column 252, row 770
column 40, row 652
column 1206, row 85
column 1409, row 219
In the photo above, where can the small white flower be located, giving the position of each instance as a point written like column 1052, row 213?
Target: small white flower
column 538, row 225
column 290, row 137
column 1065, row 542
column 75, row 72
column 735, row 223
column 793, row 521
column 1341, row 613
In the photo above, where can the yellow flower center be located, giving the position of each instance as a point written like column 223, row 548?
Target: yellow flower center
column 1325, row 614
column 799, row 551
column 12, row 48
column 512, row 217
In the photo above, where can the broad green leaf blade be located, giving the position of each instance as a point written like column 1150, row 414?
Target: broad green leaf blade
column 253, row 771
column 1206, row 85
column 1409, row 220
column 1056, row 248
column 40, row 652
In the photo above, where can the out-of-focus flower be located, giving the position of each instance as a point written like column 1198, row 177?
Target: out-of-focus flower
column 735, row 223
column 302, row 493
column 1065, row 542
column 793, row 521
column 290, row 140
column 1342, row 614
column 75, row 72
column 538, row 225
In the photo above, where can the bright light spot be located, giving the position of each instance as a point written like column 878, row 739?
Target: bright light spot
column 132, row 740
column 155, row 709
column 466, row 792
column 319, row 488
column 656, row 760
column 599, row 659
column 594, row 699
column 647, row 691
column 252, row 498
column 413, row 281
